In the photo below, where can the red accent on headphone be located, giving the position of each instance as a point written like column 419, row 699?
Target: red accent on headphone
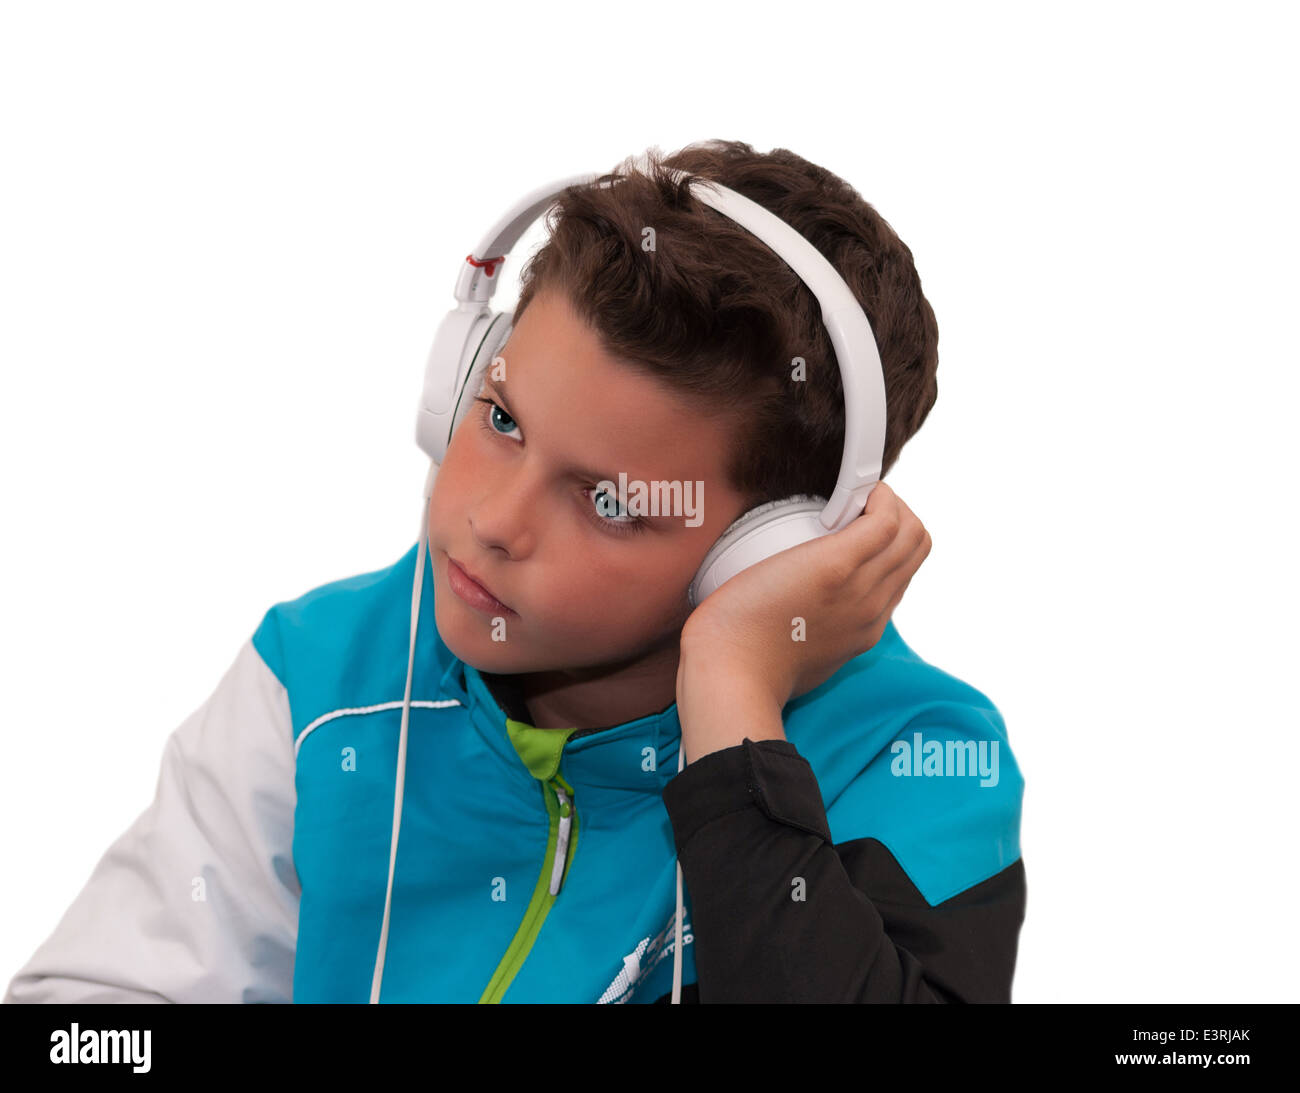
column 488, row 264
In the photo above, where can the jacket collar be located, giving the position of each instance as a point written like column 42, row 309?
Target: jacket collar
column 618, row 757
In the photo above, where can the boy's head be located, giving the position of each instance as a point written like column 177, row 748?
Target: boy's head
column 656, row 337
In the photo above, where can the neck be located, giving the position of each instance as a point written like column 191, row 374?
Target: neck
column 597, row 697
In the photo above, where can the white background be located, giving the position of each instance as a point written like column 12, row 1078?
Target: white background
column 228, row 231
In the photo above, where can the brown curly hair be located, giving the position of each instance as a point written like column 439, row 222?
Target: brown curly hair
column 714, row 313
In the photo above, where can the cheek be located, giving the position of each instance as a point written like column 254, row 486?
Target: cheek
column 449, row 483
column 616, row 589
column 437, row 510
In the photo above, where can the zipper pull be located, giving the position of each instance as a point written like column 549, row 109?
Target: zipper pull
column 562, row 840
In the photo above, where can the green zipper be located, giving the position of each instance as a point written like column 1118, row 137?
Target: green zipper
column 540, row 750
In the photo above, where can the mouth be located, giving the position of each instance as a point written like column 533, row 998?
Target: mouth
column 474, row 592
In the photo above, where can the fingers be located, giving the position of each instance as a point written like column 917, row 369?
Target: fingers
column 894, row 549
column 895, row 569
column 912, row 545
column 885, row 544
column 876, row 527
column 898, row 579
column 885, row 520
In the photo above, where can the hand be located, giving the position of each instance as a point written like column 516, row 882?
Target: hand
column 844, row 585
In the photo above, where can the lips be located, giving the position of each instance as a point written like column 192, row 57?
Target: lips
column 472, row 590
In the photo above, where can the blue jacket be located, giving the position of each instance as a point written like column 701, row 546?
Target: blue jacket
column 873, row 855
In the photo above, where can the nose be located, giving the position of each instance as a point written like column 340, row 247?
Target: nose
column 505, row 515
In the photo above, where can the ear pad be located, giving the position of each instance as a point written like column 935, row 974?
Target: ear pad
column 759, row 533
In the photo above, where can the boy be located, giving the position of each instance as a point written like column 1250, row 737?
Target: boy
column 847, row 822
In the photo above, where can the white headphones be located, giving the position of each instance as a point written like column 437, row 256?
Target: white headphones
column 472, row 334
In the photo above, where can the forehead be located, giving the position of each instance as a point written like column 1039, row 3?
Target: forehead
column 578, row 405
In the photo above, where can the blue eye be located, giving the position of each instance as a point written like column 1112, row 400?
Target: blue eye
column 621, row 522
column 608, row 508
column 496, row 420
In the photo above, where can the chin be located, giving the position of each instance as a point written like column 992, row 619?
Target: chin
column 469, row 637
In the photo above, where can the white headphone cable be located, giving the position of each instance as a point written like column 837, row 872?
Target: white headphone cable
column 400, row 780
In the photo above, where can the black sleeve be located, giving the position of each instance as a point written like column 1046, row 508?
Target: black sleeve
column 781, row 914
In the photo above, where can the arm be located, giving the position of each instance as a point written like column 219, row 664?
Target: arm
column 198, row 900
column 780, row 914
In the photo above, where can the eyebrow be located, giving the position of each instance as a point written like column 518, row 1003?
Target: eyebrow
column 498, row 389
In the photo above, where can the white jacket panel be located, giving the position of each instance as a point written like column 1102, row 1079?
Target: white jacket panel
column 198, row 900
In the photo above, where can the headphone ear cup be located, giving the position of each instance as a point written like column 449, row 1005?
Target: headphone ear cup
column 493, row 343
column 479, row 358
column 757, row 534
column 464, row 337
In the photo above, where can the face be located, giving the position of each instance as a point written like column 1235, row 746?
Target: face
column 588, row 576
